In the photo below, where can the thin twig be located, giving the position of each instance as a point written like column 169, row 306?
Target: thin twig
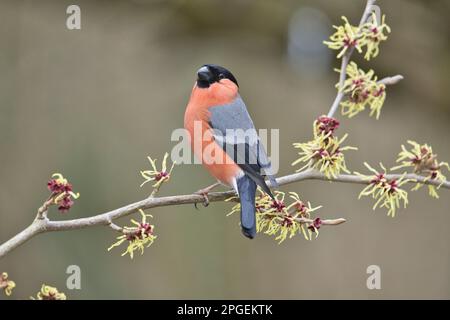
column 115, row 227
column 391, row 80
column 327, row 222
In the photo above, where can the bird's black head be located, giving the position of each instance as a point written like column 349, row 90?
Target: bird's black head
column 211, row 73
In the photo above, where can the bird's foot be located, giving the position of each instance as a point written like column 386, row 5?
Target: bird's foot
column 204, row 192
column 205, row 199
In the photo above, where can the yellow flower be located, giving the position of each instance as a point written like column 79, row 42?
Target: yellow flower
column 324, row 152
column 345, row 37
column 49, row 293
column 159, row 176
column 387, row 193
column 139, row 237
column 423, row 161
column 6, row 285
column 368, row 36
column 372, row 35
column 274, row 218
column 362, row 90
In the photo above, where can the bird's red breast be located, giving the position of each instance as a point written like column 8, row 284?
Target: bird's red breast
column 207, row 150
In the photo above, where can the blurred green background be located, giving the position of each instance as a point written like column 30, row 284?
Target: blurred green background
column 93, row 103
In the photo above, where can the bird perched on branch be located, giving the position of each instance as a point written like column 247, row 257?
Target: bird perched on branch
column 225, row 140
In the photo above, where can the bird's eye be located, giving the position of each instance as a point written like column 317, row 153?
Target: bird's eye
column 221, row 76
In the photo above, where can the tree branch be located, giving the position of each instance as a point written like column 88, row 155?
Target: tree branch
column 105, row 219
column 391, row 80
column 345, row 60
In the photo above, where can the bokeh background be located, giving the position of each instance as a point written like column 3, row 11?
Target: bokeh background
column 93, row 103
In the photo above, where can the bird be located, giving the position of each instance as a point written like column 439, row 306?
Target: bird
column 223, row 137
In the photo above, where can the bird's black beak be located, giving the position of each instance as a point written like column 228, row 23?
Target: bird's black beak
column 204, row 77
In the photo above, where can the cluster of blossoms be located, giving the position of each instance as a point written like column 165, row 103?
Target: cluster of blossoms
column 49, row 293
column 158, row 176
column 62, row 192
column 6, row 285
column 325, row 151
column 423, row 161
column 138, row 237
column 276, row 218
column 46, row 293
column 369, row 36
column 362, row 90
column 387, row 192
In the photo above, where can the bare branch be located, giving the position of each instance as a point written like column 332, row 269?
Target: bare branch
column 344, row 63
column 38, row 226
column 105, row 219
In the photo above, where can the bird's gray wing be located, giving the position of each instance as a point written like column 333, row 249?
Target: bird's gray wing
column 235, row 132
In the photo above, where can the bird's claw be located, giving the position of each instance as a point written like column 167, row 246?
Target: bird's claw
column 205, row 199
column 204, row 192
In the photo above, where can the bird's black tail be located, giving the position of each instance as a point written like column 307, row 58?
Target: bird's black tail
column 247, row 191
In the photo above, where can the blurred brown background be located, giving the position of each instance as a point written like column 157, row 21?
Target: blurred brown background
column 94, row 103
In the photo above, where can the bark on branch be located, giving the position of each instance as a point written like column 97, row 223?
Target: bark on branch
column 41, row 225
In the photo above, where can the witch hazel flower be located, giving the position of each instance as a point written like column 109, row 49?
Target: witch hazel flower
column 387, row 192
column 372, row 34
column 284, row 220
column 325, row 152
column 62, row 192
column 303, row 210
column 6, row 284
column 263, row 202
column 369, row 36
column 155, row 175
column 326, row 125
column 315, row 225
column 275, row 217
column 49, row 293
column 139, row 237
column 422, row 161
column 362, row 90
column 345, row 38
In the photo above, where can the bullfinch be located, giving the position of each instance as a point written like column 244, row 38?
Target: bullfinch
column 225, row 140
